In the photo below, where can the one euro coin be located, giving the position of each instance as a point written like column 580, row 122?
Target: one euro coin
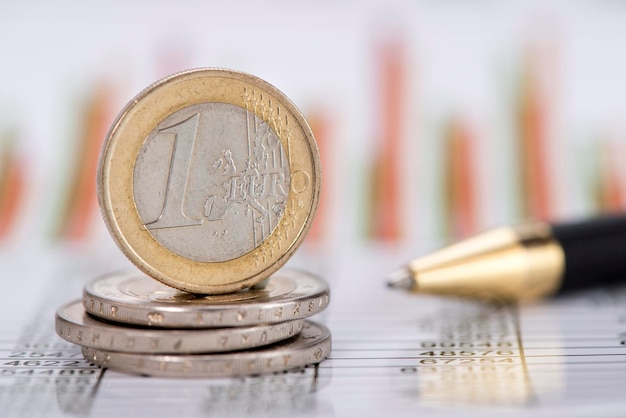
column 209, row 180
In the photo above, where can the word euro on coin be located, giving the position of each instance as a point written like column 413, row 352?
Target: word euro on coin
column 134, row 298
column 208, row 180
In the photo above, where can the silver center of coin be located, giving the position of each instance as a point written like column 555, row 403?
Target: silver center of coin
column 211, row 182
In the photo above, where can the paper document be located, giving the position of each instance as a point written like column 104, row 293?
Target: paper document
column 394, row 354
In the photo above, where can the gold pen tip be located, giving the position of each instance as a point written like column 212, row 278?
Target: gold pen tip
column 401, row 279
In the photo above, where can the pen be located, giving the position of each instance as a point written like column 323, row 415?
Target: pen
column 523, row 262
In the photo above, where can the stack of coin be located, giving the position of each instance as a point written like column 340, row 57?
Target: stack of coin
column 208, row 182
column 132, row 323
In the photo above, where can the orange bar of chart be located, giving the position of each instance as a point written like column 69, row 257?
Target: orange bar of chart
column 12, row 185
column 533, row 133
column 385, row 220
column 459, row 177
column 80, row 203
column 610, row 193
column 321, row 125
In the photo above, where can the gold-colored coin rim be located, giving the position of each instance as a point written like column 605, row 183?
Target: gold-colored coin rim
column 125, row 139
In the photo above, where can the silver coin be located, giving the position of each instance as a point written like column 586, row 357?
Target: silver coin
column 134, row 298
column 311, row 346
column 76, row 326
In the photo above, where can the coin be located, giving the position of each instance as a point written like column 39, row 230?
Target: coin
column 134, row 298
column 311, row 346
column 208, row 180
column 76, row 326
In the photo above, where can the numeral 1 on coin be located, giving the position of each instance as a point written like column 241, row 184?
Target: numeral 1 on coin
column 173, row 213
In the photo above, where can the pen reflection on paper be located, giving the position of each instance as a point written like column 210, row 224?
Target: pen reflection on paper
column 545, row 349
column 475, row 356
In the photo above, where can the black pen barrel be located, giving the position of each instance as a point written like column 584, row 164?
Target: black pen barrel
column 595, row 251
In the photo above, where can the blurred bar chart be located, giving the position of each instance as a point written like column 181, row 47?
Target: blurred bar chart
column 433, row 121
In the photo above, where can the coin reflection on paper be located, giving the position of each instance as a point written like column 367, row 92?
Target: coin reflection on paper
column 75, row 394
column 287, row 394
column 284, row 394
